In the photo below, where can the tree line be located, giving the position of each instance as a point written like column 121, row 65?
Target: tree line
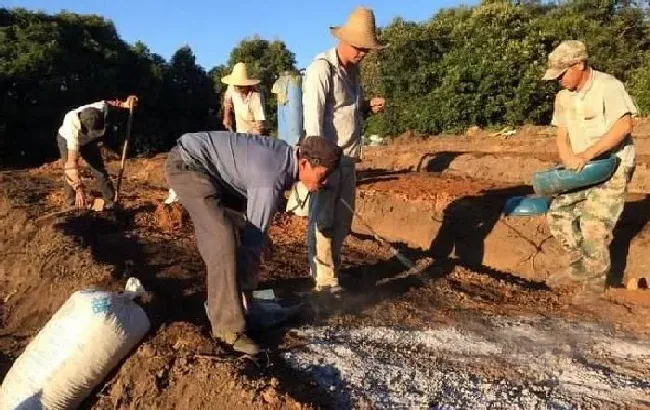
column 482, row 65
column 464, row 66
column 50, row 64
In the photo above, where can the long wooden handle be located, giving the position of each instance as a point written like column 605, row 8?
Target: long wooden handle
column 401, row 258
column 120, row 174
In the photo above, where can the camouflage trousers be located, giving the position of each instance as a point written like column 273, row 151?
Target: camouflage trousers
column 583, row 223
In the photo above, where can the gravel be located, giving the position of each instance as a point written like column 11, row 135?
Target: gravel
column 548, row 363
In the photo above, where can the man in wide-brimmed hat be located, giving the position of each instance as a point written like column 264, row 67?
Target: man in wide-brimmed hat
column 334, row 108
column 593, row 115
column 242, row 97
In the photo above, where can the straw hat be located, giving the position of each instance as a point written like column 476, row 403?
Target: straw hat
column 360, row 30
column 239, row 76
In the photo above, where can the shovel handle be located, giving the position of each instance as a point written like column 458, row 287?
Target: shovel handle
column 120, row 173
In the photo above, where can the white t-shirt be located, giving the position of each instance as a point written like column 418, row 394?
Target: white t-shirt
column 248, row 109
column 71, row 127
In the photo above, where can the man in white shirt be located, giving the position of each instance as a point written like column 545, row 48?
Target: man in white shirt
column 334, row 108
column 242, row 99
column 79, row 136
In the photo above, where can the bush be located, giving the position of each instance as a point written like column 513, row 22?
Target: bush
column 483, row 65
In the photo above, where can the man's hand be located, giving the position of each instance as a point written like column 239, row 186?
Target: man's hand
column 377, row 104
column 80, row 198
column 71, row 175
column 227, row 122
column 575, row 162
column 258, row 129
column 131, row 100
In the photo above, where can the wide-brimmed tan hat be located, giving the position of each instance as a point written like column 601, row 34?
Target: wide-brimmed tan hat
column 360, row 30
column 239, row 76
column 568, row 53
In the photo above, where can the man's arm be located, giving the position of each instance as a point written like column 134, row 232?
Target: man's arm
column 612, row 139
column 228, row 109
column 258, row 113
column 130, row 100
column 71, row 165
column 315, row 90
column 569, row 159
column 618, row 110
column 564, row 145
column 260, row 207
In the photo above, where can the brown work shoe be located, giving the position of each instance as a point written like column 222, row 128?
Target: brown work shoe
column 240, row 342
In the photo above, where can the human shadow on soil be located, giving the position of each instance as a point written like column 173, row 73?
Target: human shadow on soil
column 466, row 223
column 173, row 274
column 434, row 162
column 634, row 218
column 371, row 176
column 174, row 293
column 437, row 161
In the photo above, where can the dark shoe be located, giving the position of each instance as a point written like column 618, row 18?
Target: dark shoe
column 240, row 342
column 264, row 314
column 335, row 292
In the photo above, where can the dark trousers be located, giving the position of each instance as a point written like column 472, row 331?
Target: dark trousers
column 92, row 155
column 203, row 198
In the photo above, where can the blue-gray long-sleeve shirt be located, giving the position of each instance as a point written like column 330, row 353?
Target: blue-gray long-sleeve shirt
column 259, row 168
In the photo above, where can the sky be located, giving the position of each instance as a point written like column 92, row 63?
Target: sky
column 212, row 28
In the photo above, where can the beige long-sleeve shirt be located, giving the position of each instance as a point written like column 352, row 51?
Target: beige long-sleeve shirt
column 333, row 103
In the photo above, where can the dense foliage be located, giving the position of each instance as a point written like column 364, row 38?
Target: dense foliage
column 464, row 66
column 482, row 65
column 50, row 64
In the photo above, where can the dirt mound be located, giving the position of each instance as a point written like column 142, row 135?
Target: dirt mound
column 178, row 365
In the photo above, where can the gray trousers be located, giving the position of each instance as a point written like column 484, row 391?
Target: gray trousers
column 93, row 156
column 203, row 198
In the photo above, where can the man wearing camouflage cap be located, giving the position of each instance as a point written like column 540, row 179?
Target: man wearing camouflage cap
column 593, row 115
column 230, row 183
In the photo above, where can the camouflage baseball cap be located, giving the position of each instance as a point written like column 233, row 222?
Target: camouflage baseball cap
column 568, row 53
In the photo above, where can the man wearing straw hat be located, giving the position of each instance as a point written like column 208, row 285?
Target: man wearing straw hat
column 593, row 115
column 334, row 109
column 242, row 98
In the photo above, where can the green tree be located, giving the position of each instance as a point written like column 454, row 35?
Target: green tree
column 482, row 65
column 187, row 96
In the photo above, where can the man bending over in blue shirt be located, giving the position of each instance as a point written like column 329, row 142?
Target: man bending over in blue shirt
column 217, row 174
